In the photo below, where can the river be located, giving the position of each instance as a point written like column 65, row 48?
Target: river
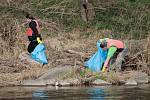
column 141, row 92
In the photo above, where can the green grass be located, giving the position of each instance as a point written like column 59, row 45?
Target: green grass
column 131, row 17
column 128, row 16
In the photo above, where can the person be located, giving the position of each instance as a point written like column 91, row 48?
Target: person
column 95, row 62
column 115, row 48
column 33, row 33
column 36, row 48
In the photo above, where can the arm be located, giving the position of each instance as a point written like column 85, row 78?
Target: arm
column 33, row 26
column 37, row 26
column 111, row 52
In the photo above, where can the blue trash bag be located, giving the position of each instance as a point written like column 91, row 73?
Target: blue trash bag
column 39, row 55
column 95, row 63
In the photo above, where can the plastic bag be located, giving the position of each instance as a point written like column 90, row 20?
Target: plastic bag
column 95, row 63
column 39, row 55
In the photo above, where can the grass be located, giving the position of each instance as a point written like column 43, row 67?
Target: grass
column 130, row 17
column 125, row 17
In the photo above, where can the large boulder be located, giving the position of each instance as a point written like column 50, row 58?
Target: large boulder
column 57, row 72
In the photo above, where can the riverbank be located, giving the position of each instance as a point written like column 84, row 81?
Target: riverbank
column 69, row 51
column 54, row 78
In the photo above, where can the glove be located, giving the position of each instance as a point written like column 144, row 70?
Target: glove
column 104, row 69
column 38, row 40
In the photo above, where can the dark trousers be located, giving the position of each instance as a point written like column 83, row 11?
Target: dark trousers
column 116, row 61
column 32, row 46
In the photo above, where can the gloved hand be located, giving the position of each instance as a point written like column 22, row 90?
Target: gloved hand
column 38, row 40
column 104, row 69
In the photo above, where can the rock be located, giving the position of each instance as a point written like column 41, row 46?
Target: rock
column 138, row 76
column 100, row 82
column 130, row 82
column 64, row 83
column 58, row 83
column 70, row 82
column 34, row 82
column 67, row 82
column 141, row 78
column 55, row 73
column 50, row 82
column 74, row 82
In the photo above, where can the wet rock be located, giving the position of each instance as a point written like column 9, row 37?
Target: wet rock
column 131, row 82
column 100, row 82
column 34, row 83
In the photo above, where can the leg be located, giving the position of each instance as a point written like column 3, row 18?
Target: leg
column 120, row 59
column 111, row 64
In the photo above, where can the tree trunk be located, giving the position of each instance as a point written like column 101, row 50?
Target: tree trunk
column 87, row 10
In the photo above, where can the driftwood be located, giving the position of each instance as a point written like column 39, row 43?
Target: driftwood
column 84, row 55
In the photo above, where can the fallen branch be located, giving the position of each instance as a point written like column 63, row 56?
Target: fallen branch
column 85, row 55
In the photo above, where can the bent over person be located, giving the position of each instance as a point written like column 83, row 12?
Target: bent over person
column 116, row 48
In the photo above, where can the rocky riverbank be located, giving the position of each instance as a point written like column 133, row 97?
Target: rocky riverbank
column 68, row 76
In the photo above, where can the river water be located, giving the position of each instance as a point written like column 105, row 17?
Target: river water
column 141, row 92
